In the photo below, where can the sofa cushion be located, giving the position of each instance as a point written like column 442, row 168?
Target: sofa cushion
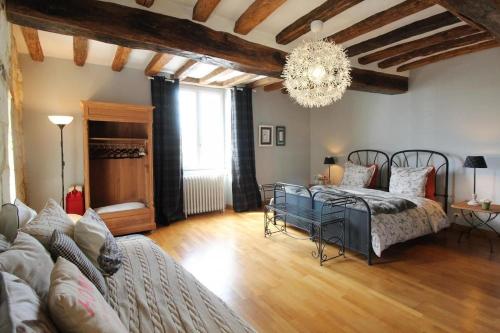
column 61, row 245
column 50, row 218
column 21, row 310
column 30, row 261
column 95, row 240
column 76, row 305
column 26, row 214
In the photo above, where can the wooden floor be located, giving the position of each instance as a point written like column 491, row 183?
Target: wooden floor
column 429, row 285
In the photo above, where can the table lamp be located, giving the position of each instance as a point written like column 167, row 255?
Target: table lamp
column 329, row 160
column 474, row 162
column 61, row 121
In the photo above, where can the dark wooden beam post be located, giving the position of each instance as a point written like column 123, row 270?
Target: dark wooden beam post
column 145, row 3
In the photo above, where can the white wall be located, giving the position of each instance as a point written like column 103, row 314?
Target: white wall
column 56, row 87
column 452, row 107
column 289, row 163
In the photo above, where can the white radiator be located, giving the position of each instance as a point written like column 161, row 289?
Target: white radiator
column 203, row 193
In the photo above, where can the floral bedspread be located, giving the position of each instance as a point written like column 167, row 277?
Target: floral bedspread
column 388, row 229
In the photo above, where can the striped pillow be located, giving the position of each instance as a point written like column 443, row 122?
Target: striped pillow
column 61, row 245
column 51, row 217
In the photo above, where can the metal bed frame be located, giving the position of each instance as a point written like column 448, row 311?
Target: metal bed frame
column 332, row 211
column 359, row 240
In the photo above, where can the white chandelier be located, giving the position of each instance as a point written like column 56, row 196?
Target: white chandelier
column 317, row 73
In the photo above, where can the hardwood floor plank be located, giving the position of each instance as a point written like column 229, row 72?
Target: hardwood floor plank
column 431, row 284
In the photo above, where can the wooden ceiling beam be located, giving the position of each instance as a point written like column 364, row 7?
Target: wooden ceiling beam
column 324, row 12
column 196, row 82
column 413, row 29
column 80, row 50
column 145, row 3
column 368, row 80
column 263, row 82
column 448, row 55
column 381, row 19
column 274, row 86
column 182, row 72
column 481, row 14
column 33, row 43
column 121, row 58
column 156, row 64
column 436, row 48
column 257, row 12
column 166, row 34
column 240, row 79
column 453, row 33
column 210, row 77
column 203, row 9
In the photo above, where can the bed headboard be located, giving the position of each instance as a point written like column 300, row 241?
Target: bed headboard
column 369, row 157
column 422, row 158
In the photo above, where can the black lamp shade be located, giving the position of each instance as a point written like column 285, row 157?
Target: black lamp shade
column 329, row 160
column 476, row 162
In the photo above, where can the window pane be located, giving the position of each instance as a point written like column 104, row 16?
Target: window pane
column 189, row 128
column 211, row 129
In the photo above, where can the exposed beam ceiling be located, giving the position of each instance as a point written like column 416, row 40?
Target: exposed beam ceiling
column 196, row 82
column 181, row 73
column 450, row 54
column 157, row 63
column 33, row 43
column 210, row 77
column 324, row 12
column 203, row 9
column 145, row 3
column 166, row 34
column 80, row 50
column 381, row 19
column 453, row 33
column 257, row 12
column 436, row 48
column 413, row 29
column 274, row 86
column 238, row 80
column 121, row 58
column 263, row 82
column 483, row 14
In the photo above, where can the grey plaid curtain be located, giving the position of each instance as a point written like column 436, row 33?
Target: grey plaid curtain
column 168, row 183
column 246, row 194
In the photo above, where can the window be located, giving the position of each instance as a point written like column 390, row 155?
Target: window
column 202, row 128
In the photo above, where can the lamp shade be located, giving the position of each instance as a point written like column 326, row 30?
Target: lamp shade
column 477, row 162
column 329, row 160
column 60, row 120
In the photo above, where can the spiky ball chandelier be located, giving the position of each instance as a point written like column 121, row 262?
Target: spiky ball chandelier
column 317, row 73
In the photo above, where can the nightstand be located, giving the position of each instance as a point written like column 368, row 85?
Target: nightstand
column 471, row 216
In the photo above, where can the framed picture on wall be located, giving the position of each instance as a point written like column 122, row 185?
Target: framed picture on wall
column 280, row 135
column 265, row 136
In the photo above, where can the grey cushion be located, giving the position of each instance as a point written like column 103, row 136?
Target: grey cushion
column 4, row 244
column 21, row 310
column 50, row 218
column 61, row 245
column 9, row 221
column 96, row 241
column 30, row 261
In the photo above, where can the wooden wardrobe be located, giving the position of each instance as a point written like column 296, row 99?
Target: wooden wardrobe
column 118, row 163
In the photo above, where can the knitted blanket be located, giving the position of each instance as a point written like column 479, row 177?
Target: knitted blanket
column 152, row 293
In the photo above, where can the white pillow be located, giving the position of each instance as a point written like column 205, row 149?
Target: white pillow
column 51, row 217
column 76, row 305
column 409, row 181
column 357, row 175
column 95, row 240
column 25, row 213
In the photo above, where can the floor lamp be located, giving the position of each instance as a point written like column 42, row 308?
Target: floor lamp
column 329, row 160
column 61, row 121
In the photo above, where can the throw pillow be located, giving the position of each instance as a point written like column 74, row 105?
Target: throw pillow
column 357, row 175
column 9, row 221
column 430, row 186
column 30, row 261
column 409, row 181
column 50, row 218
column 61, row 245
column 95, row 240
column 21, row 310
column 76, row 305
column 26, row 214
